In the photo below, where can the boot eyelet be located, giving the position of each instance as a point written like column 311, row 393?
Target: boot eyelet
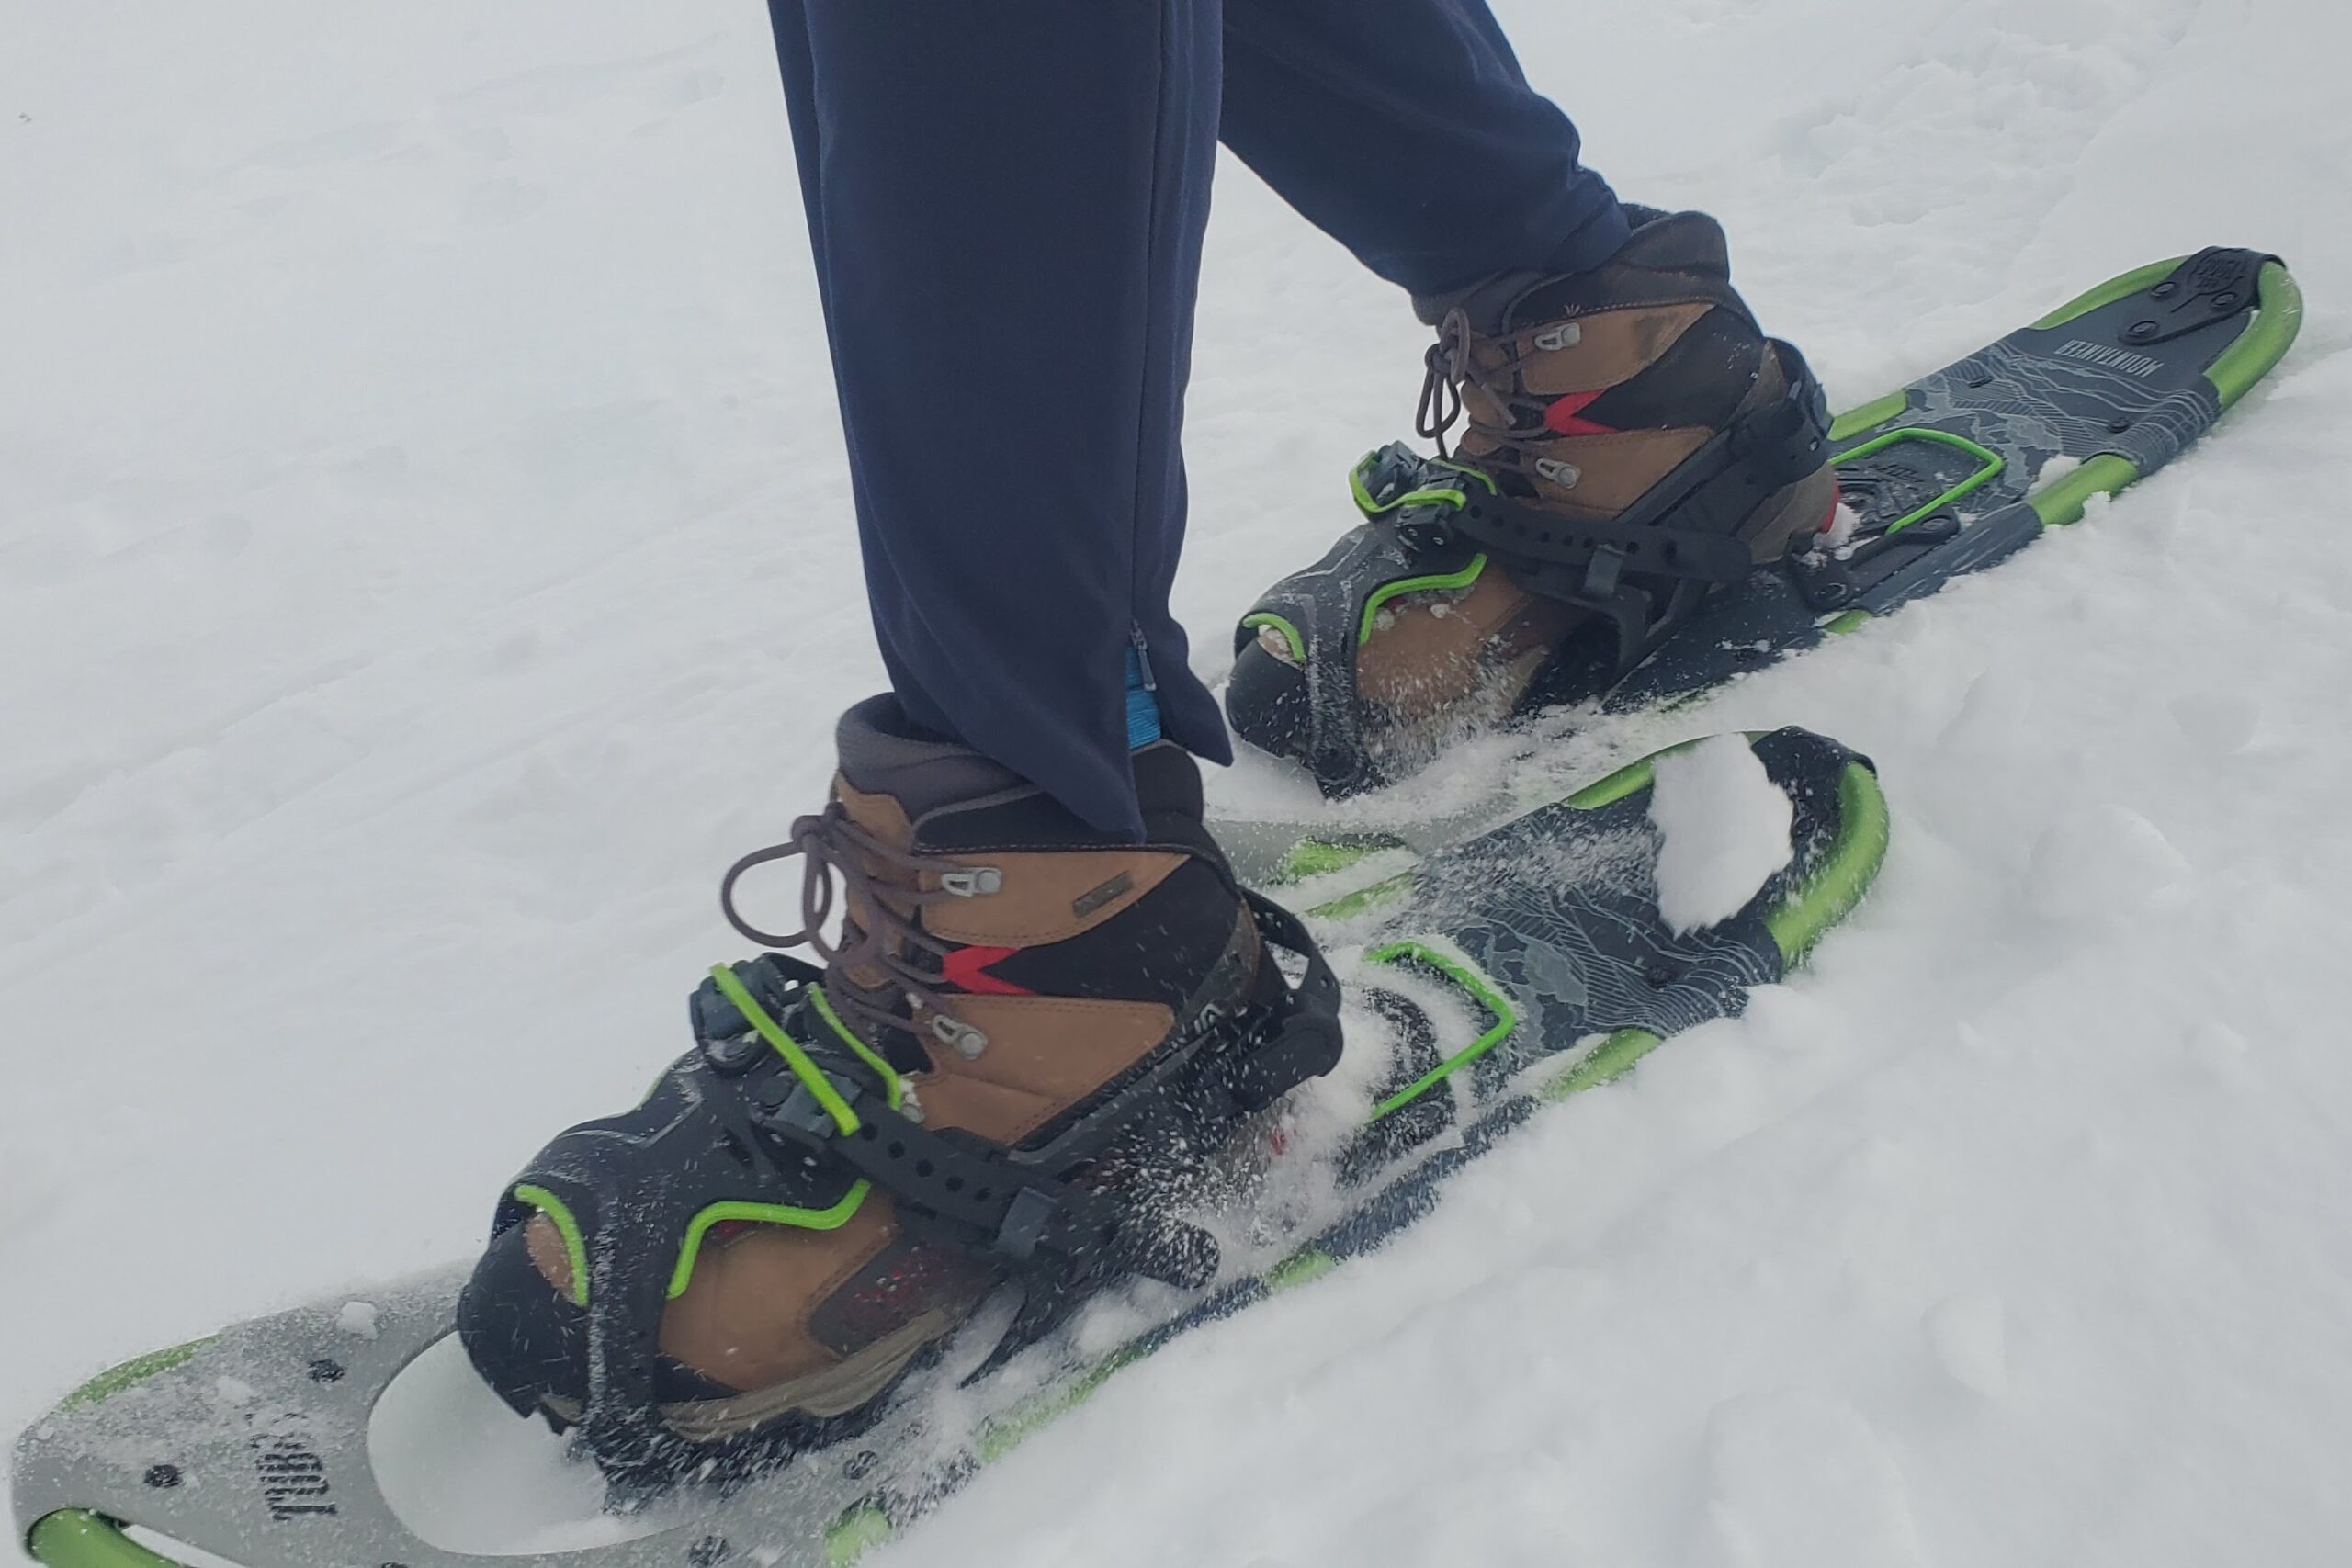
column 967, row 1041
column 972, row 882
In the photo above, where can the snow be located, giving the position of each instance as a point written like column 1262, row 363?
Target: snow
column 458, row 1468
column 1722, row 828
column 423, row 499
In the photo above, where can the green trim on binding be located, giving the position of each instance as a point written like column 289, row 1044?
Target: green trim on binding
column 892, row 1090
column 1387, row 590
column 1850, row 620
column 1371, row 508
column 2278, row 316
column 1448, row 494
column 1605, row 1063
column 1465, row 471
column 1875, row 412
column 1290, row 633
column 137, row 1370
column 1838, row 880
column 1467, row 975
column 76, row 1537
column 811, row 1076
column 2107, row 293
column 575, row 1251
column 1992, row 464
column 831, row 1219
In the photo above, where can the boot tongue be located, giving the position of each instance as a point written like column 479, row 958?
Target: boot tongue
column 882, row 754
column 1678, row 241
column 1687, row 244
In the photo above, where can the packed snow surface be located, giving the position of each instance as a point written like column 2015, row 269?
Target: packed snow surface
column 427, row 561
column 1722, row 828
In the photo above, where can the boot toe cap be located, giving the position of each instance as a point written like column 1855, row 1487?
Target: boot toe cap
column 1266, row 701
column 521, row 1329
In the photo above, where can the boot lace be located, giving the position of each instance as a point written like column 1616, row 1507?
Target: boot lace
column 1444, row 368
column 880, row 928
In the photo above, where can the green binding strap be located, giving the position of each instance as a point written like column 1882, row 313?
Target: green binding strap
column 1502, row 1016
column 575, row 1251
column 813, row 1077
column 892, row 1090
column 1290, row 633
column 1989, row 465
column 826, row 1219
column 1449, row 495
column 1441, row 581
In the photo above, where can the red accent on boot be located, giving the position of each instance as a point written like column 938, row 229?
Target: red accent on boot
column 1829, row 518
column 1565, row 416
column 968, row 967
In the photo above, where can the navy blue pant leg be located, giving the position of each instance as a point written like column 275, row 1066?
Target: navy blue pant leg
column 1006, row 201
column 1404, row 129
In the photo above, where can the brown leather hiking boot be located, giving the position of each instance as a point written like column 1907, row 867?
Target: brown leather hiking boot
column 1025, row 1040
column 1632, row 439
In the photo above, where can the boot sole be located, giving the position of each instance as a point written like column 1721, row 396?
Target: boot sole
column 848, row 1385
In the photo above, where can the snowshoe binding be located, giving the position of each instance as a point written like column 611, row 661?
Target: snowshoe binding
column 1026, row 1037
column 1634, row 443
